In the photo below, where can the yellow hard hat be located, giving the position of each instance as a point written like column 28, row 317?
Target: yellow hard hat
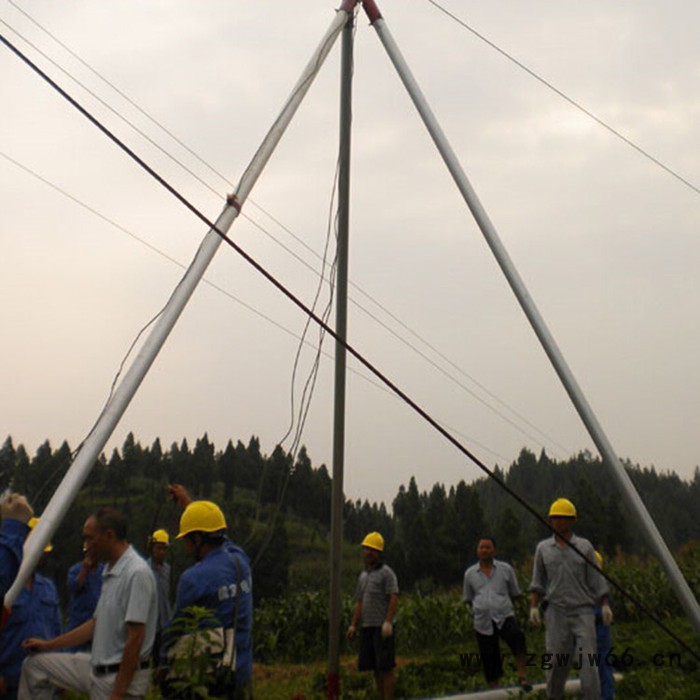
column 374, row 541
column 563, row 508
column 201, row 516
column 160, row 536
column 32, row 524
column 599, row 559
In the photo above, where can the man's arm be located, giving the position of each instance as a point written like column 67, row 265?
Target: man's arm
column 512, row 583
column 135, row 632
column 393, row 605
column 76, row 637
column 467, row 592
column 355, row 619
column 388, row 624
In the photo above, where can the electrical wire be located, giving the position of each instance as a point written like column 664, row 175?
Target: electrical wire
column 349, row 348
column 561, row 449
column 570, row 100
column 222, row 291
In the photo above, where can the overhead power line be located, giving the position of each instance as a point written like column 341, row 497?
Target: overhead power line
column 425, row 415
column 518, row 416
column 226, row 293
column 550, row 86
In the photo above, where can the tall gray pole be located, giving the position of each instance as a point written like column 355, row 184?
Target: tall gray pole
column 109, row 418
column 634, row 502
column 341, row 307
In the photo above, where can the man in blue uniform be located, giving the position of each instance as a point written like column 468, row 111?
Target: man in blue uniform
column 84, row 584
column 15, row 513
column 219, row 580
column 35, row 614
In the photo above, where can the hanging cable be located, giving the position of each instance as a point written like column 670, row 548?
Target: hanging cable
column 561, row 449
column 226, row 293
column 568, row 99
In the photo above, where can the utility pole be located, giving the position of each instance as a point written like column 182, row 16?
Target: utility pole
column 337, row 498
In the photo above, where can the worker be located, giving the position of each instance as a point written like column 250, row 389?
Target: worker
column 219, row 580
column 36, row 613
column 158, row 545
column 84, row 584
column 603, row 634
column 122, row 630
column 570, row 586
column 376, row 601
column 489, row 587
column 15, row 511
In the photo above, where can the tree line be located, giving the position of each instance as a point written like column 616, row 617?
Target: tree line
column 431, row 535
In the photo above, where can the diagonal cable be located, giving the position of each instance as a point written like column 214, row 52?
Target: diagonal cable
column 668, row 169
column 349, row 348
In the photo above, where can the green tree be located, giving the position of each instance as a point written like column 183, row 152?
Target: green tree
column 227, row 470
column 7, row 462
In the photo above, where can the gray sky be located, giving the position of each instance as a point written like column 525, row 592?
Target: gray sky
column 605, row 240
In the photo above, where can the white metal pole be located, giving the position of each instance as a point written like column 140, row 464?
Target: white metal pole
column 654, row 539
column 89, row 452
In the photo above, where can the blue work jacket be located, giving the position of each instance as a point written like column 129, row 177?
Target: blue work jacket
column 35, row 614
column 83, row 601
column 212, row 583
column 12, row 535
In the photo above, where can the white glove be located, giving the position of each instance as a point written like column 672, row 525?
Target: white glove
column 16, row 507
column 535, row 617
column 606, row 614
column 387, row 629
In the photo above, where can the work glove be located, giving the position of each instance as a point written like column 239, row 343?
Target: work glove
column 351, row 632
column 387, row 629
column 606, row 614
column 16, row 507
column 535, row 617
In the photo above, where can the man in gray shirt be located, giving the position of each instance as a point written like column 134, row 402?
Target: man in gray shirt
column 490, row 587
column 122, row 629
column 376, row 600
column 571, row 586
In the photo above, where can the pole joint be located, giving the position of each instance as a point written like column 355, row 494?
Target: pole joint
column 371, row 10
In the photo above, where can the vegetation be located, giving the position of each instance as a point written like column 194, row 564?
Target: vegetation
column 278, row 509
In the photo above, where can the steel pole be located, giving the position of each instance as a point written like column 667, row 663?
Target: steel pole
column 634, row 502
column 109, row 418
column 341, row 307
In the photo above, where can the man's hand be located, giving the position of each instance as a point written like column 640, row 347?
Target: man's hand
column 16, row 507
column 607, row 614
column 36, row 646
column 535, row 617
column 179, row 494
column 351, row 632
column 387, row 629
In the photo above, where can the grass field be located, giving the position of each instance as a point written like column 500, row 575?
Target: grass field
column 651, row 663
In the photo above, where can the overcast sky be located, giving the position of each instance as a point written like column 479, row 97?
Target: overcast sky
column 605, row 240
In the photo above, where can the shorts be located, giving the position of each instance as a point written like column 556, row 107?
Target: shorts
column 490, row 651
column 376, row 653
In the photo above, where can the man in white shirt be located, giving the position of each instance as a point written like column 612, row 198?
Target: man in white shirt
column 489, row 587
column 122, row 630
